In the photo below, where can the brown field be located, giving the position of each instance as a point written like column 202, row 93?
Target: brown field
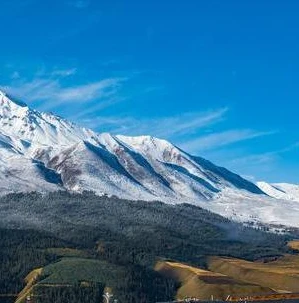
column 202, row 284
column 30, row 281
column 281, row 275
column 294, row 244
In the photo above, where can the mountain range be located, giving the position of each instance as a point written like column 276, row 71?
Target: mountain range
column 43, row 152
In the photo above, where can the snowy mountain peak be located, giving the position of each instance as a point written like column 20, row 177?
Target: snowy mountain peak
column 6, row 101
column 145, row 141
column 38, row 130
column 159, row 149
column 2, row 93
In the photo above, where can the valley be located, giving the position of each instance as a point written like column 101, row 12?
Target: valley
column 76, row 207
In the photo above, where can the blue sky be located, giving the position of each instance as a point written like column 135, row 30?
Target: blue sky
column 217, row 78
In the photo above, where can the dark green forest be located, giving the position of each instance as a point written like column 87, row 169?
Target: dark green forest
column 117, row 243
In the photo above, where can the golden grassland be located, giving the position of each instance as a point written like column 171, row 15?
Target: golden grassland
column 281, row 275
column 202, row 284
column 294, row 244
column 30, row 281
column 235, row 277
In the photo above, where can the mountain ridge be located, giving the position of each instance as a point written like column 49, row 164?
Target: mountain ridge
column 55, row 141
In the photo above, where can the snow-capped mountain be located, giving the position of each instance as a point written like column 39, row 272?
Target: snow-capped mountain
column 44, row 152
column 80, row 159
column 283, row 191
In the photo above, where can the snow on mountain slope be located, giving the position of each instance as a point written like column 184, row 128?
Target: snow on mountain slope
column 44, row 152
column 280, row 190
column 19, row 173
column 14, row 178
column 246, row 207
column 181, row 169
column 87, row 166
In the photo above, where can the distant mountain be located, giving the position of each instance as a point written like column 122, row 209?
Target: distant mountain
column 283, row 191
column 43, row 152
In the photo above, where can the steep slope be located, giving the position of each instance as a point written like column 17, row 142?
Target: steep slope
column 87, row 166
column 21, row 173
column 192, row 176
column 283, row 191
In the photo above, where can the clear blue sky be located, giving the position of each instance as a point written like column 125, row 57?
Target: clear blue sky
column 218, row 78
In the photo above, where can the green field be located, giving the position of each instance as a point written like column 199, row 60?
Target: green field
column 74, row 270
